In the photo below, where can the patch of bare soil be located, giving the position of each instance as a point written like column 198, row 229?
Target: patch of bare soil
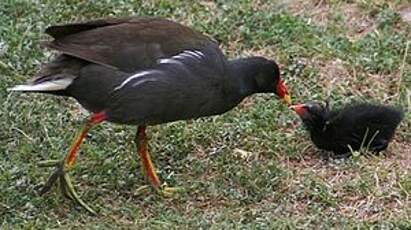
column 381, row 176
column 405, row 14
column 316, row 11
column 333, row 75
column 403, row 151
column 357, row 23
column 338, row 77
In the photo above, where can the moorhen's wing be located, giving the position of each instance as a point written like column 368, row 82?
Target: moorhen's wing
column 189, row 85
column 127, row 44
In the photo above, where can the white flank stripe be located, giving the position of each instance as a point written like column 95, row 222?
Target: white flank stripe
column 199, row 53
column 169, row 61
column 135, row 76
column 193, row 54
column 185, row 55
column 141, row 81
column 55, row 85
column 181, row 56
column 189, row 54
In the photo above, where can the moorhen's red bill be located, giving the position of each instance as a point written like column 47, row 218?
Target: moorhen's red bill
column 145, row 71
column 356, row 126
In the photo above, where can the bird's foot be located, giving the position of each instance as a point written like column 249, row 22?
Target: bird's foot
column 66, row 187
column 163, row 191
column 169, row 191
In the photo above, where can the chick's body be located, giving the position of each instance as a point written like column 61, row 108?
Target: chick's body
column 356, row 126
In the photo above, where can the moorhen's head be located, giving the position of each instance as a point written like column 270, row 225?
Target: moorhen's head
column 267, row 78
column 313, row 114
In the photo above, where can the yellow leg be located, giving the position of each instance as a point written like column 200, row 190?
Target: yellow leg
column 62, row 167
column 148, row 165
column 149, row 169
column 71, row 157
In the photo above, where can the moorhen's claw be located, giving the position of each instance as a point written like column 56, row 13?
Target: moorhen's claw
column 169, row 191
column 65, row 165
column 48, row 163
column 74, row 196
column 141, row 190
column 54, row 176
column 163, row 191
column 66, row 187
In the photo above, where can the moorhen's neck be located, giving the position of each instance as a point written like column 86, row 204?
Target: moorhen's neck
column 242, row 71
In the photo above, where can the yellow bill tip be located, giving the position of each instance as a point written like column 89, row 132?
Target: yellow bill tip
column 287, row 99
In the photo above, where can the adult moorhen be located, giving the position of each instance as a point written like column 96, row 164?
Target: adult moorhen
column 144, row 71
column 351, row 128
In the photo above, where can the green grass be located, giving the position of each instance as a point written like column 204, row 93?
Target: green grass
column 252, row 167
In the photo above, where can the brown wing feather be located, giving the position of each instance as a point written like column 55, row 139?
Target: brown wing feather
column 60, row 31
column 128, row 44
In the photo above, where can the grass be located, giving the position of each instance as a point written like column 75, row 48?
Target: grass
column 252, row 167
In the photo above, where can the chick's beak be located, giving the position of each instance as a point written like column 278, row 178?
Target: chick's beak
column 299, row 109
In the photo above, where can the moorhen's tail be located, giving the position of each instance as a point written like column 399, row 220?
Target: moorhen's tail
column 53, row 77
column 52, row 84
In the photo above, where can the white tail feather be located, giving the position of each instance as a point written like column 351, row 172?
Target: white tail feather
column 54, row 85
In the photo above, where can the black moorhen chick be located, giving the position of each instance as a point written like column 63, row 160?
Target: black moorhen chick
column 144, row 71
column 356, row 126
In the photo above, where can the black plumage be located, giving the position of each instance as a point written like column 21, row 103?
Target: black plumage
column 352, row 127
column 164, row 66
column 144, row 71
